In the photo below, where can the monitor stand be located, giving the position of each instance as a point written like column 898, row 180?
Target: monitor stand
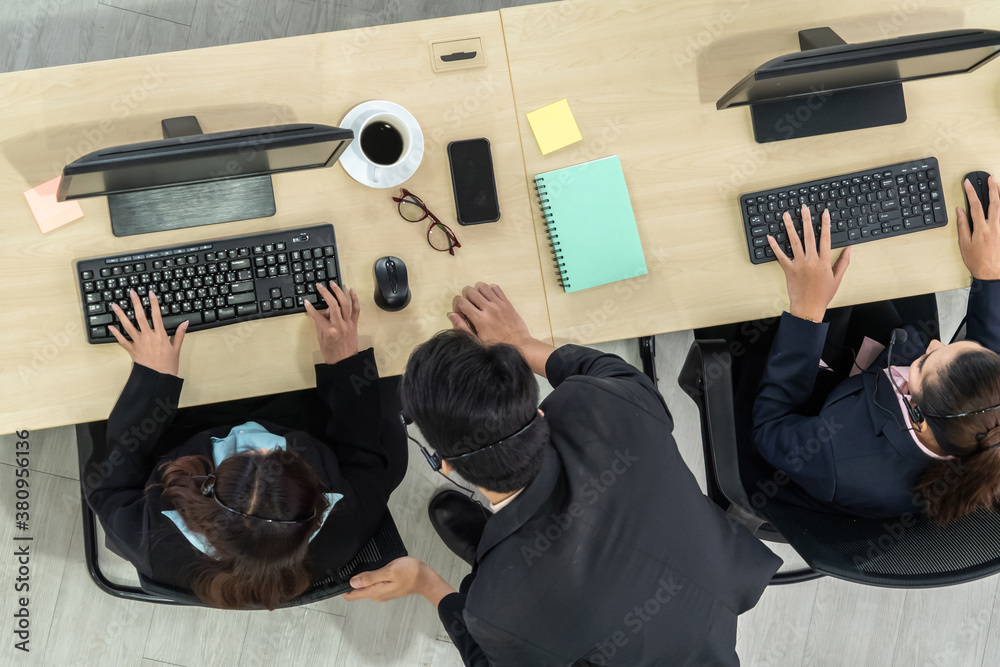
column 826, row 113
column 192, row 205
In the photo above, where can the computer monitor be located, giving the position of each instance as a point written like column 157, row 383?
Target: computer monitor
column 189, row 178
column 831, row 86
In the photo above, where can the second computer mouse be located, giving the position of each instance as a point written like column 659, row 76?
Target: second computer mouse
column 980, row 183
column 392, row 287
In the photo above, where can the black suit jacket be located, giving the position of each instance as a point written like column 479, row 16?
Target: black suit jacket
column 351, row 458
column 855, row 455
column 612, row 554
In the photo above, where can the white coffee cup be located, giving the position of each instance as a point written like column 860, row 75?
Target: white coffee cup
column 374, row 168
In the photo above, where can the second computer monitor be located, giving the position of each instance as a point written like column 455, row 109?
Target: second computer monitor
column 831, row 86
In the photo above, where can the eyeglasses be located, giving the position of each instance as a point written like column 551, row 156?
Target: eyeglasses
column 413, row 209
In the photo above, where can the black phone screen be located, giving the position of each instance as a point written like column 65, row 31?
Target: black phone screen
column 473, row 181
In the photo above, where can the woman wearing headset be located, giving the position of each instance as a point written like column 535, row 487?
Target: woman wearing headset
column 919, row 435
column 247, row 503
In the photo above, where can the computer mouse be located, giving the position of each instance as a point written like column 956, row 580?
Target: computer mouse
column 392, row 288
column 980, row 181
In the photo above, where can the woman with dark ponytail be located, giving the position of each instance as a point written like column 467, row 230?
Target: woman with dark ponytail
column 951, row 397
column 908, row 424
column 253, row 560
column 247, row 503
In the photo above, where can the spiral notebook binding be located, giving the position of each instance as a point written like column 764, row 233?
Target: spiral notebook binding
column 552, row 232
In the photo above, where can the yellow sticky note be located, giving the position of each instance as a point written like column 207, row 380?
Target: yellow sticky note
column 49, row 212
column 554, row 127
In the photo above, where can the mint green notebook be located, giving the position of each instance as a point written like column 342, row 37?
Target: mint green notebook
column 590, row 223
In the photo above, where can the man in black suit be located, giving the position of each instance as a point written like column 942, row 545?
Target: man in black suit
column 602, row 549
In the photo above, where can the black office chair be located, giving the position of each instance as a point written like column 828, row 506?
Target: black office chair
column 384, row 547
column 904, row 552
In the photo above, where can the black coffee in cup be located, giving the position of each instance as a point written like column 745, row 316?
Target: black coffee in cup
column 381, row 143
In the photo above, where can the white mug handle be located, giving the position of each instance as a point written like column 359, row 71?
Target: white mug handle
column 372, row 173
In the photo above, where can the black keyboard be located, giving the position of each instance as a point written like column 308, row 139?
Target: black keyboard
column 864, row 206
column 211, row 283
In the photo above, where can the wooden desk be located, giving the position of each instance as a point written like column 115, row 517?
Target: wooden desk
column 642, row 78
column 51, row 376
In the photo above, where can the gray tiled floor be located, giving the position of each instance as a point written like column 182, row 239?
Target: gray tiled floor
column 818, row 623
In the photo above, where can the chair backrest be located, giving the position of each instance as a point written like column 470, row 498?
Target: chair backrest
column 706, row 377
column 902, row 552
column 385, row 546
column 908, row 551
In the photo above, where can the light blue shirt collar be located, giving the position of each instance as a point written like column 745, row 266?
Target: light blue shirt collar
column 243, row 438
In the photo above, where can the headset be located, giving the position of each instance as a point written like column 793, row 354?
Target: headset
column 435, row 459
column 208, row 490
column 918, row 416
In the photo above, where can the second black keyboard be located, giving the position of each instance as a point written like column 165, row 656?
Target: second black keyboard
column 864, row 206
column 211, row 283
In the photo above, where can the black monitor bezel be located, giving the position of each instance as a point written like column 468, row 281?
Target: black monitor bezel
column 863, row 53
column 213, row 144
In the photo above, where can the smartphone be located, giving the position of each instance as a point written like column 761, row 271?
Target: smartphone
column 473, row 181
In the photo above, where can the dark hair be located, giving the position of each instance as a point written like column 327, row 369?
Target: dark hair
column 464, row 395
column 954, row 489
column 260, row 564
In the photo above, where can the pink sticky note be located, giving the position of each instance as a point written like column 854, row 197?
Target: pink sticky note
column 48, row 211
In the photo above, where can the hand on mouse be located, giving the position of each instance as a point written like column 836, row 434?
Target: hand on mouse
column 150, row 346
column 337, row 326
column 812, row 282
column 980, row 245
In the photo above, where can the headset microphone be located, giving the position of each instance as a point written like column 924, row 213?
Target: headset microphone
column 916, row 415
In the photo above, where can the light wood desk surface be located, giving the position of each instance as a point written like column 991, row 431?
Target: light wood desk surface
column 642, row 78
column 51, row 376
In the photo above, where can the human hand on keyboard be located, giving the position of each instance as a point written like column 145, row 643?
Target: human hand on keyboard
column 812, row 282
column 337, row 325
column 981, row 245
column 149, row 346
